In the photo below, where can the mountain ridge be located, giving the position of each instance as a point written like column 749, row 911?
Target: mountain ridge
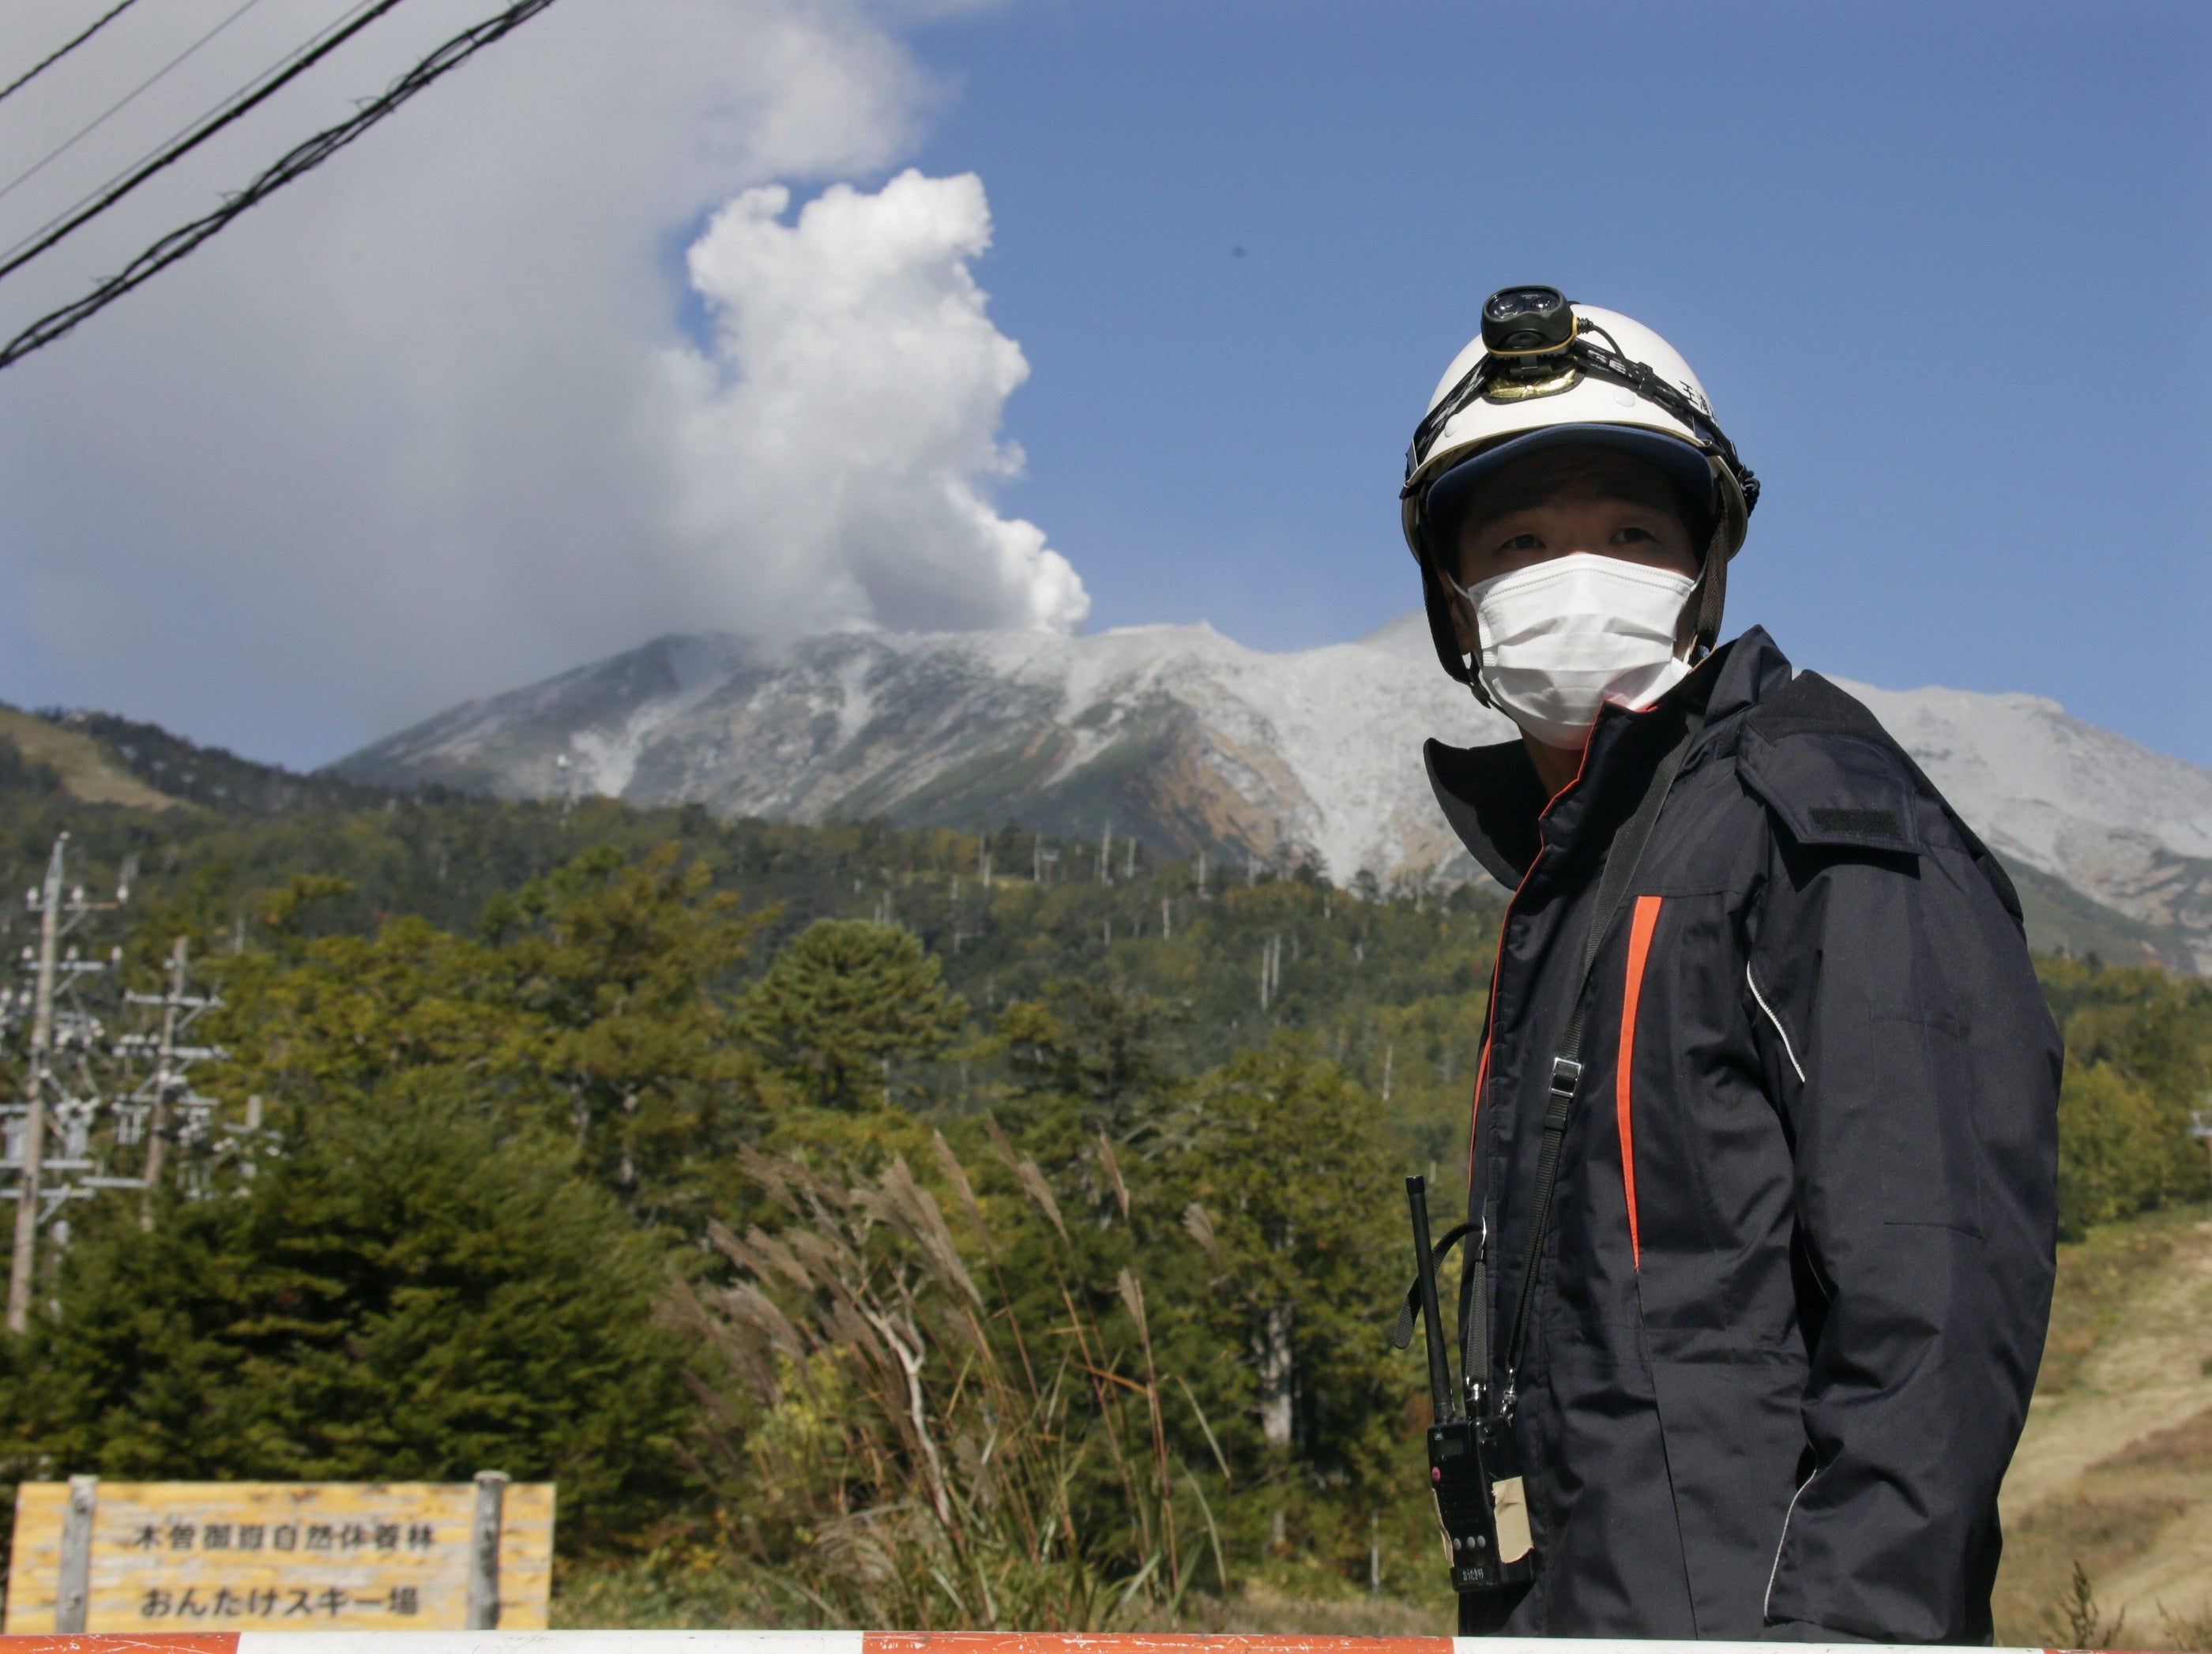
column 1181, row 737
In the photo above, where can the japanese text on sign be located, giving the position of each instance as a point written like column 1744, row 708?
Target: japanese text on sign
column 273, row 1556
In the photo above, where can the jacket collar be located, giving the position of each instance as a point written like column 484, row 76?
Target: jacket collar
column 1749, row 670
column 1491, row 795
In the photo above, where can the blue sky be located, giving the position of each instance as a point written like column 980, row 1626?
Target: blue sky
column 1943, row 269
column 454, row 413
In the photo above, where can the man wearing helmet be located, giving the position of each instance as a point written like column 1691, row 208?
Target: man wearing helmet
column 1762, row 1196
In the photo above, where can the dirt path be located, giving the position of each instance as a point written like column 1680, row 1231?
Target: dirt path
column 2117, row 1470
column 2148, row 1376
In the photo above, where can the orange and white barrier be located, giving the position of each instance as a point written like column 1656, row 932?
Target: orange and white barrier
column 844, row 1642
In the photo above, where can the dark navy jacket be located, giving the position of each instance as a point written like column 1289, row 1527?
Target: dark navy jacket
column 1800, row 1265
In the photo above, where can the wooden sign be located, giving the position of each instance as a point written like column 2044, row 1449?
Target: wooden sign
column 187, row 1556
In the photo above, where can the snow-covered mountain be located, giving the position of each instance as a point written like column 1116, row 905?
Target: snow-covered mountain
column 1180, row 736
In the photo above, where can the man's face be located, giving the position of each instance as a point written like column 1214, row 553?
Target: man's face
column 1565, row 500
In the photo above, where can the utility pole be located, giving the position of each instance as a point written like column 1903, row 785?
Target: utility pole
column 54, row 1027
column 157, row 1141
column 164, row 1104
column 35, row 1117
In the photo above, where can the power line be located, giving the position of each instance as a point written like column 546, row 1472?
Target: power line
column 56, row 55
column 221, row 104
column 22, row 252
column 102, row 119
column 304, row 157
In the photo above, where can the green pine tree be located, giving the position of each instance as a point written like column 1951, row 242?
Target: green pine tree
column 842, row 1002
column 401, row 1291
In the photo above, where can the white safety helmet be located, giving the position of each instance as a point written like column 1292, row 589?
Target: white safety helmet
column 1545, row 374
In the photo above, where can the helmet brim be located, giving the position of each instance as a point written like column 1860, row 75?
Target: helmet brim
column 1684, row 465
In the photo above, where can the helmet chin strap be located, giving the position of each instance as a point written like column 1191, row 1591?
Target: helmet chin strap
column 1475, row 672
column 1700, row 624
column 1472, row 660
column 1436, row 600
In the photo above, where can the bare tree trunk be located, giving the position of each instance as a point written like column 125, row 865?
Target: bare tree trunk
column 1273, row 1347
column 910, row 1358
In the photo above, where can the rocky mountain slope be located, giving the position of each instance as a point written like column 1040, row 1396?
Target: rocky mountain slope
column 1181, row 737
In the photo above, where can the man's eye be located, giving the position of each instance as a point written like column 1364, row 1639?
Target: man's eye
column 1522, row 543
column 1632, row 535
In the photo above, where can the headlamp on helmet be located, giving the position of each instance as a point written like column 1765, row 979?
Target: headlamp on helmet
column 1524, row 321
column 1534, row 344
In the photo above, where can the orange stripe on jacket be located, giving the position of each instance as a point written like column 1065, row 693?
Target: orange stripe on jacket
column 1641, row 924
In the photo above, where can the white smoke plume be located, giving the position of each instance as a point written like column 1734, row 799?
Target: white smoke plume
column 426, row 426
column 835, row 445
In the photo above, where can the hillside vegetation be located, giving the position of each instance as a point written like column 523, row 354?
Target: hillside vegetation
column 862, row 1226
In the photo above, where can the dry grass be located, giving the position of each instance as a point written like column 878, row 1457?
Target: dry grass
column 898, row 1441
column 86, row 771
column 672, row 1593
column 2190, row 1633
column 2108, row 1513
column 2185, row 1449
column 2037, row 1591
column 2101, row 1555
column 662, row 1592
column 2097, row 1277
column 1262, row 1610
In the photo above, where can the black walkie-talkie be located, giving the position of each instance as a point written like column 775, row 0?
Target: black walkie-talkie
column 1475, row 1471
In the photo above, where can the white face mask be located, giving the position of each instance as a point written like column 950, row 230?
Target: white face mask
column 1561, row 638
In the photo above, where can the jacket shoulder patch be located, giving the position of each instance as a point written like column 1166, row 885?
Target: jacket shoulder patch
column 1835, row 790
column 1856, row 823
column 1829, row 771
column 1810, row 709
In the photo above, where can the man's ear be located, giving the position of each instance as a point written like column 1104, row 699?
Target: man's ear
column 1463, row 625
column 1448, row 579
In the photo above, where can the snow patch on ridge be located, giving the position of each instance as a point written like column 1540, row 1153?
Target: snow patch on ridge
column 1308, row 753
